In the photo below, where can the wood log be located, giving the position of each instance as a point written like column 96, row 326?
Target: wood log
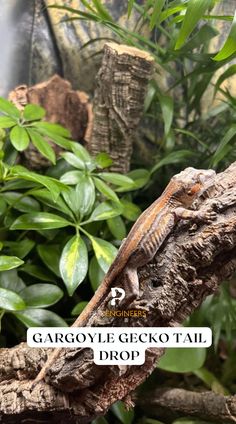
column 190, row 265
column 63, row 105
column 118, row 103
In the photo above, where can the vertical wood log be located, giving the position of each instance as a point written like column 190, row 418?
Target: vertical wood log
column 118, row 104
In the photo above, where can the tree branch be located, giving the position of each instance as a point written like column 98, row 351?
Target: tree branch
column 189, row 266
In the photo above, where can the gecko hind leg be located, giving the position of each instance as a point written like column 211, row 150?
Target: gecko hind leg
column 131, row 287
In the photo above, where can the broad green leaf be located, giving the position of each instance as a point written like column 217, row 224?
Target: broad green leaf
column 53, row 185
column 105, row 190
column 6, row 122
column 19, row 248
column 11, row 281
column 182, row 359
column 130, row 210
column 103, row 160
column 177, row 156
column 80, row 152
column 41, row 295
column 150, row 96
column 85, row 195
column 73, row 160
column 38, row 272
column 20, row 202
column 225, row 140
column 39, row 220
column 229, row 47
column 45, row 197
column 74, row 263
column 140, row 178
column 96, row 274
column 42, row 146
column 167, row 107
column 50, row 255
column 11, row 301
column 195, row 11
column 117, row 227
column 33, row 112
column 206, row 32
column 72, row 202
column 211, row 381
column 157, row 8
column 105, row 210
column 116, row 179
column 123, row 415
column 71, row 177
column 9, row 262
column 227, row 74
column 40, row 318
column 3, row 205
column 78, row 308
column 54, row 128
column 104, row 251
column 8, row 108
column 19, row 138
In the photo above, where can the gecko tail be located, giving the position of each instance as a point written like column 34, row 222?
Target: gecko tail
column 38, row 379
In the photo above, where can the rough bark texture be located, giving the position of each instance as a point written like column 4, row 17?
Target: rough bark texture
column 174, row 403
column 63, row 106
column 190, row 265
column 118, row 103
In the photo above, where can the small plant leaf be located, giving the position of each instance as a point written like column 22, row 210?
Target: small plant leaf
column 11, row 301
column 104, row 251
column 41, row 221
column 9, row 262
column 33, row 112
column 42, row 146
column 40, row 318
column 19, row 138
column 41, row 295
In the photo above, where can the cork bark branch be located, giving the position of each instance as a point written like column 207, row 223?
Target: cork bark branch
column 118, row 104
column 190, row 265
column 172, row 403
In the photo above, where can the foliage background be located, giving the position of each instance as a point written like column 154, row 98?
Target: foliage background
column 60, row 231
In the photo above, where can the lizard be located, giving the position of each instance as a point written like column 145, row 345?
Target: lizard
column 145, row 238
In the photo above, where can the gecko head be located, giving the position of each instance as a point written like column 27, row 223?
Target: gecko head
column 192, row 183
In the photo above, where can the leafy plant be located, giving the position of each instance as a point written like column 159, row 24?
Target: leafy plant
column 57, row 231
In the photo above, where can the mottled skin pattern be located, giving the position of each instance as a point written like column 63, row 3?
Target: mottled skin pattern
column 146, row 237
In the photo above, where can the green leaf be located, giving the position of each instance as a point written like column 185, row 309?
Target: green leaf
column 50, row 255
column 78, row 308
column 19, row 138
column 102, row 11
column 11, row 281
column 195, row 11
column 120, row 411
column 105, row 190
column 104, row 251
column 40, row 318
column 229, row 46
column 80, row 152
column 8, row 108
column 20, row 202
column 20, row 248
column 105, row 210
column 177, row 156
column 52, row 128
column 45, row 197
column 225, row 140
column 116, row 179
column 96, row 274
column 6, row 122
column 117, row 227
column 130, row 7
column 85, row 195
column 130, row 210
column 41, row 295
column 51, row 184
column 71, row 177
column 37, row 272
column 103, row 160
column 140, row 178
column 73, row 160
column 40, row 220
column 33, row 112
column 11, row 301
column 9, row 262
column 182, row 360
column 74, row 263
column 167, row 107
column 227, row 74
column 42, row 146
column 157, row 8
